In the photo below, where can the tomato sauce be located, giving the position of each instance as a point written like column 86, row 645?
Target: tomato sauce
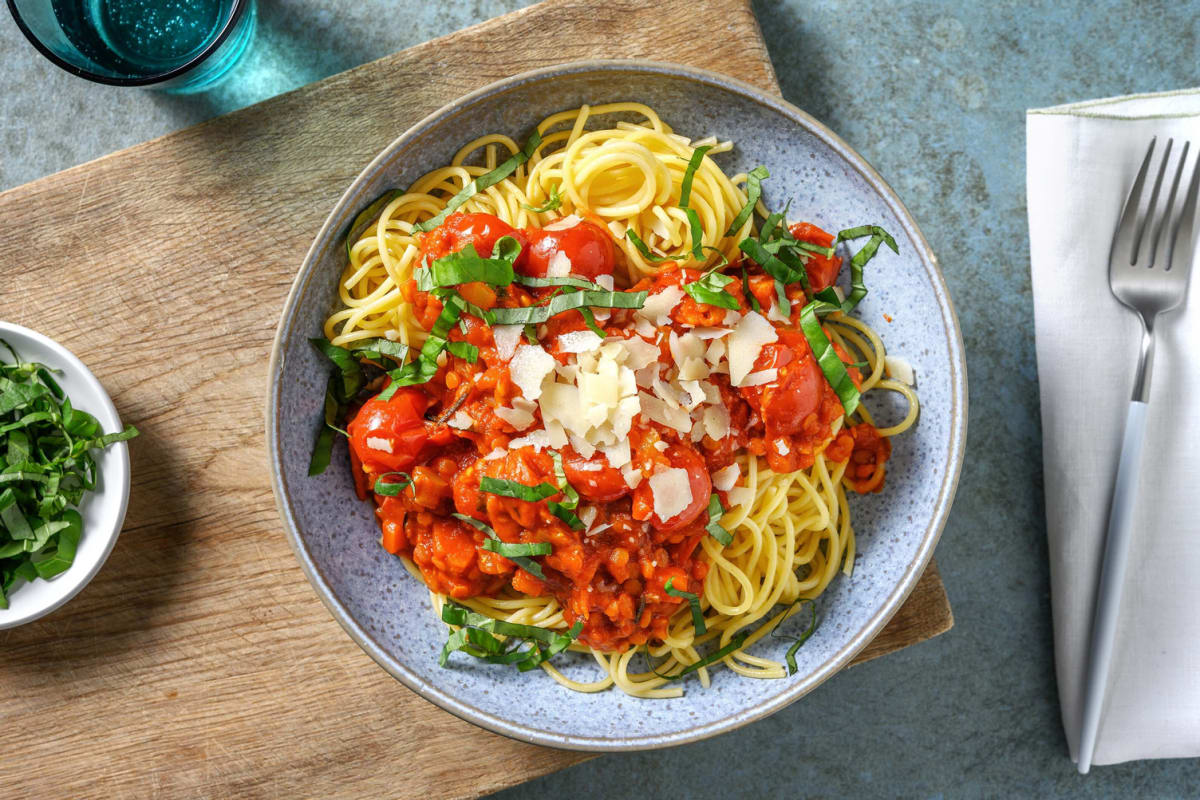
column 612, row 575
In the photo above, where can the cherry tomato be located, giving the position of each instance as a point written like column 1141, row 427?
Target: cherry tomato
column 680, row 456
column 822, row 271
column 796, row 391
column 388, row 436
column 594, row 478
column 460, row 230
column 586, row 245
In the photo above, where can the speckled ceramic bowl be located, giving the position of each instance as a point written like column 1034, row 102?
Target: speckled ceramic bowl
column 387, row 611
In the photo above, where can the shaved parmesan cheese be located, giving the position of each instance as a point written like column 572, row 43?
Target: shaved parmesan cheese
column 695, row 393
column 781, row 447
column 731, row 318
column 496, row 453
column 716, row 422
column 529, row 367
column 506, row 338
column 644, row 327
column 658, row 307
column 639, row 353
column 463, row 422
column 520, row 416
column 560, row 403
column 898, row 367
column 578, row 341
column 589, row 466
column 759, row 378
column 672, row 491
column 661, row 446
column 562, row 224
column 712, row 333
column 618, row 455
column 559, row 266
column 587, row 515
column 597, row 530
column 715, row 352
column 745, row 343
column 380, row 444
column 725, row 479
column 606, row 282
column 538, row 440
column 658, row 411
column 711, row 393
column 392, row 335
column 776, row 314
column 581, row 445
column 632, row 476
column 693, row 369
column 684, row 347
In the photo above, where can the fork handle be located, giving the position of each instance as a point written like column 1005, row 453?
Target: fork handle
column 1112, row 578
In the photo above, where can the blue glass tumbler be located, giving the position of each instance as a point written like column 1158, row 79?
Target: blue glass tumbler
column 180, row 46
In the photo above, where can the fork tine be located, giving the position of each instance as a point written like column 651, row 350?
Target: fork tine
column 1183, row 239
column 1164, row 218
column 1123, row 238
column 1146, row 217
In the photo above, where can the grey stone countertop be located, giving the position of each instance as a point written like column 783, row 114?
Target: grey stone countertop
column 933, row 95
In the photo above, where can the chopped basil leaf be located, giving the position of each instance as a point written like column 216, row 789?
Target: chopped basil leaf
column 47, row 465
column 693, row 601
column 425, row 365
column 516, row 490
column 589, row 319
column 540, row 283
column 566, row 509
column 828, row 359
column 568, row 302
column 554, row 203
column 710, row 289
column 477, row 635
column 711, row 658
column 392, row 488
column 754, row 304
column 464, row 350
column 363, row 218
column 527, row 564
column 858, row 288
column 771, row 264
column 467, row 266
column 506, row 168
column 697, row 233
column 644, row 250
column 518, row 550
column 790, row 656
column 531, row 333
column 753, row 192
column 715, row 512
column 689, row 174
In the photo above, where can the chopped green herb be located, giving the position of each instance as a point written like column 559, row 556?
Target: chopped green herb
column 858, row 288
column 689, row 174
column 506, row 168
column 392, row 488
column 46, row 467
column 712, row 658
column 518, row 549
column 477, row 635
column 644, row 250
column 753, row 192
column 828, row 359
column 566, row 509
column 754, row 304
column 518, row 491
column 576, row 283
column 525, row 563
column 790, row 656
column 467, row 266
column 693, row 601
column 553, row 204
column 710, row 289
column 568, row 302
column 715, row 512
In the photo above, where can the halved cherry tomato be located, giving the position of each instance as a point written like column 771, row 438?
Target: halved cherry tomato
column 388, row 436
column 586, row 245
column 680, row 456
column 822, row 271
column 594, row 478
column 796, row 391
column 460, row 230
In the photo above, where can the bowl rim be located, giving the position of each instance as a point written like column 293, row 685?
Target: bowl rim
column 341, row 214
column 107, row 414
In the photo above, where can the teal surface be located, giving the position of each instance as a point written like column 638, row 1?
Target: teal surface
column 933, row 94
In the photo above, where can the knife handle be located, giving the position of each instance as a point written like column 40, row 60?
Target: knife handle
column 1112, row 578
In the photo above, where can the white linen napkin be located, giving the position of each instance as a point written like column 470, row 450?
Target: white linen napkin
column 1081, row 160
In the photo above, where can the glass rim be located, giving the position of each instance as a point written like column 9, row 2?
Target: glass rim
column 239, row 7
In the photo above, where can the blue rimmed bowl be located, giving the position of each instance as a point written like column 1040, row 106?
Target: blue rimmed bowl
column 385, row 610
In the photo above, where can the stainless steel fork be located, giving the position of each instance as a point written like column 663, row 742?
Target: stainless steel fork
column 1148, row 270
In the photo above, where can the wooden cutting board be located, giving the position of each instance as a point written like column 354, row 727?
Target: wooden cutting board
column 200, row 662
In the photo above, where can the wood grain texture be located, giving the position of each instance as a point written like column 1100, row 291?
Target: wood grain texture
column 200, row 662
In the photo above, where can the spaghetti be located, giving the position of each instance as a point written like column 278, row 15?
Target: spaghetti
column 708, row 363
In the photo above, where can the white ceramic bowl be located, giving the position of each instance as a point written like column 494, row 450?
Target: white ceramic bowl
column 103, row 510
